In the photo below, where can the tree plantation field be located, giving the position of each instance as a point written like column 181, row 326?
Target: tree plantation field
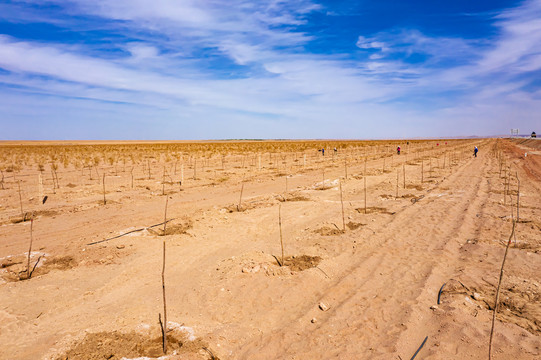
column 270, row 249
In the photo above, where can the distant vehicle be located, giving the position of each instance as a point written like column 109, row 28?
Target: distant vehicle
column 534, row 135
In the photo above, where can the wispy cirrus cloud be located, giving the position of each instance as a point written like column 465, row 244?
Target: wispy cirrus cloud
column 249, row 65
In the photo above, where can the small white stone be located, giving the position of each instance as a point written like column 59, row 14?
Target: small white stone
column 323, row 307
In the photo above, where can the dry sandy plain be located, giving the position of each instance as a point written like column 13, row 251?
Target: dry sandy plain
column 369, row 291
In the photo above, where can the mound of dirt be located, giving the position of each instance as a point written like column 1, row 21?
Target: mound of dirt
column 258, row 262
column 352, row 225
column 302, row 262
column 178, row 228
column 323, row 187
column 374, row 209
column 60, row 263
column 292, row 197
column 252, row 204
column 328, row 231
column 416, row 187
column 116, row 345
column 520, row 301
column 16, row 267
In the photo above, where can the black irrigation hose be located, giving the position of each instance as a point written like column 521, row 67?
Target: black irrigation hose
column 439, row 293
column 419, row 349
column 129, row 232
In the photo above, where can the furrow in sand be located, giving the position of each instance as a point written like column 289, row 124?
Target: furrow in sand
column 373, row 312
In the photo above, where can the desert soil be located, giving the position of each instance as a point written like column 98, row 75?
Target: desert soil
column 359, row 284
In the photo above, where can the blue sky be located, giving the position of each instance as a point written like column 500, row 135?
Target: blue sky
column 209, row 69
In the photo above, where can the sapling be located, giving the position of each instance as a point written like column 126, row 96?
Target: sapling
column 20, row 199
column 165, row 214
column 404, row 174
column 365, row 194
column 397, row 179
column 103, row 181
column 30, row 247
column 280, row 226
column 240, row 199
column 342, row 202
column 163, row 181
column 164, row 333
column 518, row 196
column 496, row 302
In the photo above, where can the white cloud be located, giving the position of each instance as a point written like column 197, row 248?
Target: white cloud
column 166, row 65
column 364, row 43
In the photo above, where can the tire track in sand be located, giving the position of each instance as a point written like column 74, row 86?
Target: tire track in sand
column 375, row 302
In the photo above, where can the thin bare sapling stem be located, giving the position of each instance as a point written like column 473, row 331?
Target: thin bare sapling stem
column 280, row 226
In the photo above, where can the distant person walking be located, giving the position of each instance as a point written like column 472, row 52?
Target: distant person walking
column 398, row 150
column 323, row 151
column 475, row 150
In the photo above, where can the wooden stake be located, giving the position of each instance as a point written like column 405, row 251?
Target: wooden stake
column 404, row 174
column 54, row 182
column 103, row 181
column 365, row 166
column 40, row 187
column 131, row 172
column 30, row 248
column 20, row 199
column 346, row 167
column 163, row 181
column 148, row 162
column 280, row 226
column 342, row 202
column 56, row 177
column 498, row 293
column 240, row 199
column 505, row 189
column 164, row 303
column 518, row 196
column 165, row 214
column 364, row 194
column 422, row 171
column 397, row 179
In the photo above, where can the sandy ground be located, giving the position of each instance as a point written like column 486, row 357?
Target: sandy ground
column 363, row 285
